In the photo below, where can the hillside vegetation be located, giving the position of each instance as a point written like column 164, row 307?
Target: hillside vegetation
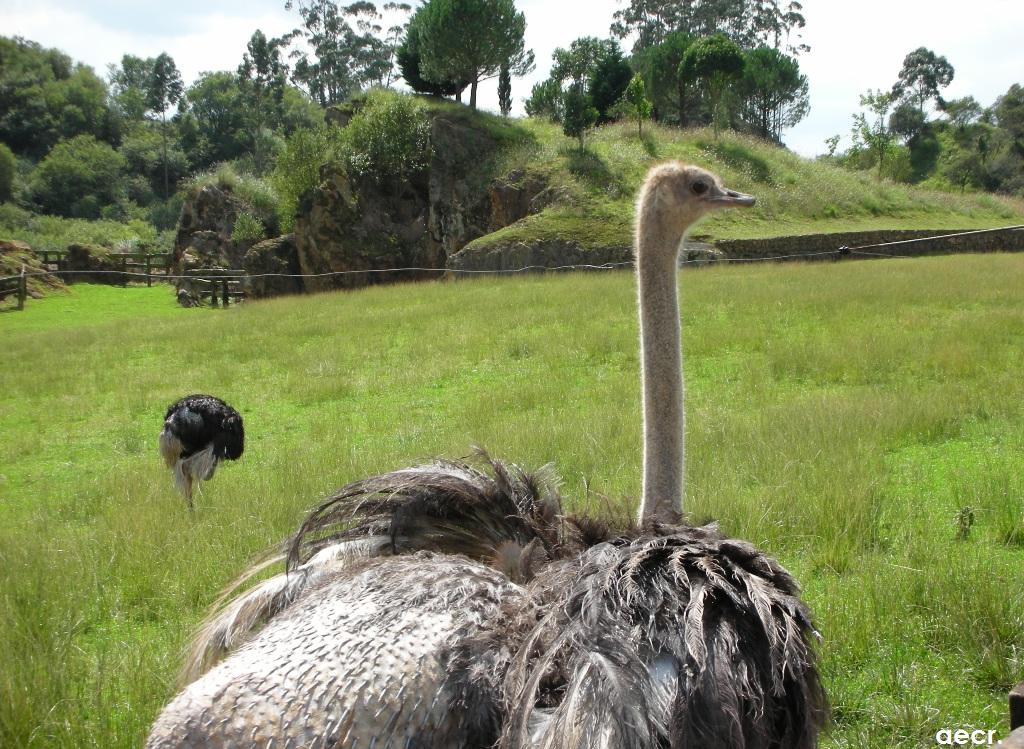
column 795, row 195
column 861, row 421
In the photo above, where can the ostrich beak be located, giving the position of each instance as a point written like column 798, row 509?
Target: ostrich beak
column 733, row 199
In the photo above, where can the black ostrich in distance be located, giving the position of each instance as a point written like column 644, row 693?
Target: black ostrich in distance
column 199, row 432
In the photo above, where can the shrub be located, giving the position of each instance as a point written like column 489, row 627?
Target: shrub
column 78, row 177
column 247, row 229
column 297, row 169
column 389, row 139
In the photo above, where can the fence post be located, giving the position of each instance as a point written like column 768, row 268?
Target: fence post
column 149, row 270
column 22, row 289
column 225, row 291
column 213, row 291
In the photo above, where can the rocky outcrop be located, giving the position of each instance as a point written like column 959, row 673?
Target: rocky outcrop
column 540, row 253
column 204, row 231
column 358, row 229
column 279, row 257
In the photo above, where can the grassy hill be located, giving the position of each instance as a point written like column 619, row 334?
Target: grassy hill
column 795, row 195
column 863, row 422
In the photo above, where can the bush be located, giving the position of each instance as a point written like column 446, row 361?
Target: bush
column 389, row 139
column 78, row 177
column 8, row 166
column 297, row 170
column 247, row 229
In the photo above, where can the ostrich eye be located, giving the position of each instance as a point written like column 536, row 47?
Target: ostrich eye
column 699, row 188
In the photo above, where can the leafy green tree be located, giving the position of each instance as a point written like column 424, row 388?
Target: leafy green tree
column 909, row 123
column 8, row 166
column 262, row 77
column 579, row 113
column 1009, row 112
column 147, row 163
column 595, row 64
column 874, row 135
column 660, row 64
column 408, row 58
column 163, row 91
column 44, row 97
column 636, row 103
column 129, row 86
column 78, row 177
column 714, row 62
column 961, row 112
column 214, row 125
column 343, row 59
column 921, row 77
column 545, row 100
column 749, row 24
column 471, row 40
column 505, row 91
column 774, row 92
column 609, row 79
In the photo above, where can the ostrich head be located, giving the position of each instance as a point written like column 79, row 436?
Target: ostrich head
column 676, row 196
column 673, row 198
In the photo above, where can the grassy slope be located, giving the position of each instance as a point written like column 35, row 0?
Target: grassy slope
column 795, row 195
column 839, row 416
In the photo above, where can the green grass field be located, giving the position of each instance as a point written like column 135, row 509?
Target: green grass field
column 850, row 418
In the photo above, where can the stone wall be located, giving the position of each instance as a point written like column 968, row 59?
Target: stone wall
column 1007, row 240
column 513, row 255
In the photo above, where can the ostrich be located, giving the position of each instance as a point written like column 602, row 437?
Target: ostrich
column 446, row 606
column 199, row 432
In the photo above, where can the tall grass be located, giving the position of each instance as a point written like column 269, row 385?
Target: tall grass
column 841, row 416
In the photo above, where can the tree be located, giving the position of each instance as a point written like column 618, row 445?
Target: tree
column 261, row 78
column 129, row 85
column 579, row 113
column 214, row 124
column 44, row 97
column 408, row 57
column 921, row 77
column 1009, row 112
column 961, row 112
column 608, row 80
column 505, row 90
column 545, row 100
column 749, row 24
column 344, row 59
column 471, row 40
column 8, row 166
column 636, row 102
column 78, row 177
column 874, row 135
column 163, row 91
column 774, row 93
column 715, row 62
column 595, row 64
column 660, row 64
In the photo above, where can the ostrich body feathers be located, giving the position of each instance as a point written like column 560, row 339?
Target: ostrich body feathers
column 199, row 431
column 440, row 606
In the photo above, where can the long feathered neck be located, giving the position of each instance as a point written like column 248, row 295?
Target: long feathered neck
column 657, row 262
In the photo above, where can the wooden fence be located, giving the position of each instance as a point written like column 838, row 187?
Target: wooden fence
column 219, row 284
column 145, row 264
column 14, row 285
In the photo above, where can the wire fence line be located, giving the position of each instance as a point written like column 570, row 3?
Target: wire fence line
column 859, row 250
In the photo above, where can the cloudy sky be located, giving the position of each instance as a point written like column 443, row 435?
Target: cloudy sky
column 854, row 45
